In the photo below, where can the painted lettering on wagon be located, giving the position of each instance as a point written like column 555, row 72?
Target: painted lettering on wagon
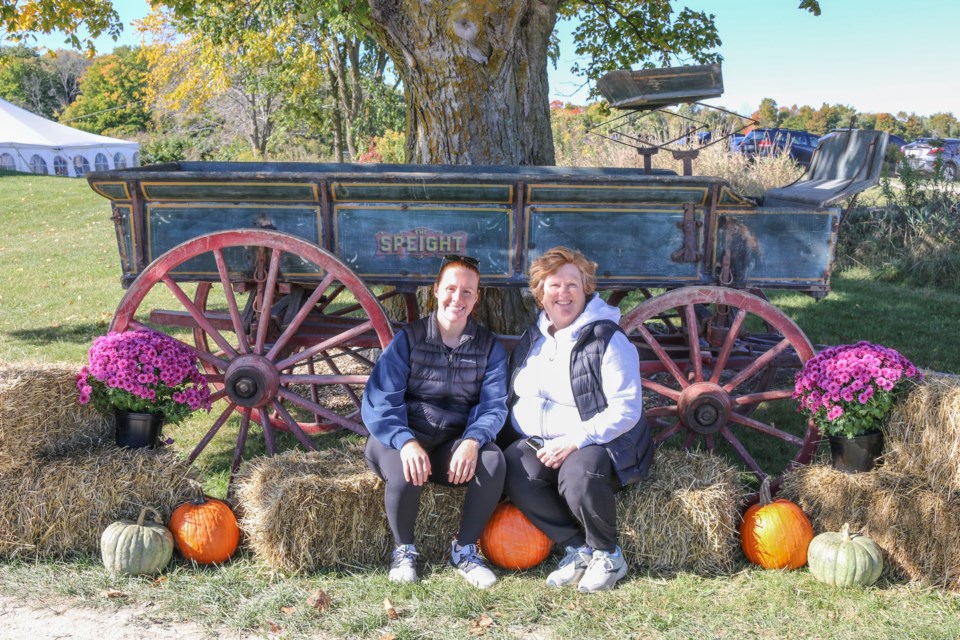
column 420, row 243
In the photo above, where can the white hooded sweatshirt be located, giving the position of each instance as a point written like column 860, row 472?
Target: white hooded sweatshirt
column 545, row 403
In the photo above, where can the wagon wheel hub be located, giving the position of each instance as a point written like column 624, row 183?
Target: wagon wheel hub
column 704, row 407
column 251, row 381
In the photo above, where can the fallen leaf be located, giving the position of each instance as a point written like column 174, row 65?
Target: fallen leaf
column 388, row 636
column 319, row 601
column 113, row 593
column 390, row 609
column 160, row 579
column 274, row 627
column 288, row 610
column 480, row 625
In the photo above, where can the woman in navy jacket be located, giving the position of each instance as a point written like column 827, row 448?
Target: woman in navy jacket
column 433, row 405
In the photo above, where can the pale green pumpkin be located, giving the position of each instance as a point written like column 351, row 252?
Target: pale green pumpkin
column 844, row 559
column 136, row 548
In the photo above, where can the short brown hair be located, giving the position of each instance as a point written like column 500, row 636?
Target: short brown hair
column 554, row 260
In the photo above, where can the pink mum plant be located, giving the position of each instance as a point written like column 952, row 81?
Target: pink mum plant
column 143, row 371
column 850, row 389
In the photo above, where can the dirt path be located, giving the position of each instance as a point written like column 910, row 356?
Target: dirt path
column 62, row 619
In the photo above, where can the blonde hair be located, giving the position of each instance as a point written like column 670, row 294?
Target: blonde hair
column 554, row 260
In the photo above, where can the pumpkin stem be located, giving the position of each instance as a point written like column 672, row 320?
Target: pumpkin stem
column 765, row 497
column 198, row 497
column 845, row 531
column 143, row 513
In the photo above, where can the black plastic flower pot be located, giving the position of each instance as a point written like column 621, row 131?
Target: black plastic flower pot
column 858, row 454
column 138, row 430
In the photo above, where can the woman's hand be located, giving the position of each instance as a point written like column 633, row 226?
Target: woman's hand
column 416, row 463
column 554, row 452
column 463, row 464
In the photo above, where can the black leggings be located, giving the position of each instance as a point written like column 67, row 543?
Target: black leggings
column 574, row 504
column 403, row 498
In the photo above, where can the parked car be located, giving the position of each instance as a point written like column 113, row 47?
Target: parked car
column 929, row 154
column 767, row 142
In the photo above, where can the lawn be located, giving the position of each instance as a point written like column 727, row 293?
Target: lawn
column 59, row 285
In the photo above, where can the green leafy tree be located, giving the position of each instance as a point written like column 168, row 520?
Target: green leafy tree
column 26, row 81
column 767, row 115
column 111, row 96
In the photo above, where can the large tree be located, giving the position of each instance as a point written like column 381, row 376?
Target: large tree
column 475, row 71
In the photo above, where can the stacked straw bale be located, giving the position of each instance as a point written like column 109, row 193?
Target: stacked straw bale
column 306, row 511
column 63, row 478
column 915, row 525
column 910, row 505
column 685, row 516
column 40, row 416
column 923, row 433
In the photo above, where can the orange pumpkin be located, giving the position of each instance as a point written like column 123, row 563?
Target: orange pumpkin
column 205, row 530
column 775, row 534
column 511, row 541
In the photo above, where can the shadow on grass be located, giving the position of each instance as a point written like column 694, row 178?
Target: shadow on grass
column 74, row 333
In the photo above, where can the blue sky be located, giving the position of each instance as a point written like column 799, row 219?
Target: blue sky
column 873, row 55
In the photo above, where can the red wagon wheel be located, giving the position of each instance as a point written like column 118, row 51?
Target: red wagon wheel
column 707, row 380
column 282, row 328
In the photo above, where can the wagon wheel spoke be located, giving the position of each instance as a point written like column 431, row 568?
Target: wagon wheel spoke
column 663, row 390
column 209, row 358
column 762, row 396
column 241, row 440
column 298, row 319
column 219, row 422
column 266, row 304
column 768, row 429
column 232, row 307
column 693, row 340
column 198, row 316
column 728, row 343
column 333, row 295
column 327, row 414
column 744, row 454
column 663, row 356
column 335, row 341
column 669, row 430
column 757, row 365
column 294, row 426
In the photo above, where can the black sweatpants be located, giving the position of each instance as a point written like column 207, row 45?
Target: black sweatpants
column 574, row 504
column 403, row 498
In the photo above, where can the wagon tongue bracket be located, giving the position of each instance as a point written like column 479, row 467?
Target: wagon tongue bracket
column 251, row 381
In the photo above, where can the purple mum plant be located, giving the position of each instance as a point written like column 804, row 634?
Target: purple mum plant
column 850, row 389
column 143, row 371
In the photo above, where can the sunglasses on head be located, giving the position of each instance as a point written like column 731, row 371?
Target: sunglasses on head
column 453, row 257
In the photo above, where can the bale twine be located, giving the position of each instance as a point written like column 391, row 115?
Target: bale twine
column 923, row 433
column 684, row 516
column 40, row 416
column 914, row 524
column 59, row 507
column 304, row 511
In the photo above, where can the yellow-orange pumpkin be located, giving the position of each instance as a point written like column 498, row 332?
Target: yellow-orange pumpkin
column 775, row 534
column 205, row 530
column 511, row 541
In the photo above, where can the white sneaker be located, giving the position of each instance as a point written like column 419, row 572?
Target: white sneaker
column 403, row 566
column 471, row 566
column 604, row 571
column 571, row 567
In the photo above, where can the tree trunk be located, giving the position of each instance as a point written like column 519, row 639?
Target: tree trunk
column 475, row 72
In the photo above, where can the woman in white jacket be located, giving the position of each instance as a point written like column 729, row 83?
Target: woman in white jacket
column 576, row 418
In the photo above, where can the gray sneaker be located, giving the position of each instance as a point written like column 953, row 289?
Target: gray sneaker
column 604, row 571
column 471, row 566
column 403, row 567
column 571, row 567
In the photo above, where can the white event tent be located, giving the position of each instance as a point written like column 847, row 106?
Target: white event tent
column 31, row 143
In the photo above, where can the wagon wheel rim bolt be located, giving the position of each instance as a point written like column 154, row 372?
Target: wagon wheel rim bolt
column 251, row 381
column 704, row 407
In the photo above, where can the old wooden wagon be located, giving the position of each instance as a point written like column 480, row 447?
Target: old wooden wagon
column 278, row 274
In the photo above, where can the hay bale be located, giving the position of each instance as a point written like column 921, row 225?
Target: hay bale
column 339, row 517
column 59, row 507
column 923, row 433
column 40, row 416
column 684, row 516
column 913, row 523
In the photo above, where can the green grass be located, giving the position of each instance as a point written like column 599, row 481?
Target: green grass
column 59, row 285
